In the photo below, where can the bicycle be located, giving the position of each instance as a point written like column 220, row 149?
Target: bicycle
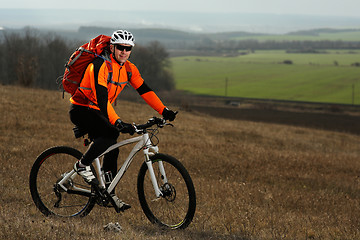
column 164, row 187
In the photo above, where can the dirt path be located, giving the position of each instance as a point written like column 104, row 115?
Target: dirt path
column 328, row 121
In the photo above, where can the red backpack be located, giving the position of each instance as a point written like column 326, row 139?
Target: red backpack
column 80, row 59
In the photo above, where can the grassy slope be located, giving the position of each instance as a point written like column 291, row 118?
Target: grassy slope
column 253, row 180
column 312, row 77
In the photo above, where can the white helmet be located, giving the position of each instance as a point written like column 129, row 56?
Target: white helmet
column 122, row 37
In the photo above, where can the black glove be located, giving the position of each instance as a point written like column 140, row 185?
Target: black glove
column 125, row 127
column 169, row 114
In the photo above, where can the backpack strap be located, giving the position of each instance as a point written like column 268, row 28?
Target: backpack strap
column 128, row 70
column 109, row 67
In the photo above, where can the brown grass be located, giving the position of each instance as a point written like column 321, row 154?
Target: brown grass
column 253, row 180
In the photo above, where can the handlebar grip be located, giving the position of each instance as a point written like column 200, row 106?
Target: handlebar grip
column 152, row 121
column 143, row 126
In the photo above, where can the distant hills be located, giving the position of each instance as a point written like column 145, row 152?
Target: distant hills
column 168, row 35
column 199, row 22
column 178, row 39
column 179, row 29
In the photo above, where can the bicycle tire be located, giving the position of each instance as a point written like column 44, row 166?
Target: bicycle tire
column 46, row 171
column 176, row 209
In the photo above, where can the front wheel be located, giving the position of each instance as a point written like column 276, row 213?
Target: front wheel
column 176, row 207
column 50, row 198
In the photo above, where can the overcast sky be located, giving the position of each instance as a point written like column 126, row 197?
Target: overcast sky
column 308, row 7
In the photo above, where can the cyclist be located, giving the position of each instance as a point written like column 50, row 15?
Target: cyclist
column 91, row 108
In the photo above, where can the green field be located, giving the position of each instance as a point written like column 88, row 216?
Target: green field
column 312, row 77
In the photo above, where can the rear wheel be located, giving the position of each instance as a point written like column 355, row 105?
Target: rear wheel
column 49, row 168
column 176, row 207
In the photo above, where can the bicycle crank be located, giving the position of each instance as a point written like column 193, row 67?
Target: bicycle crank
column 104, row 198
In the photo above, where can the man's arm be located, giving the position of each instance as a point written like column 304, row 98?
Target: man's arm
column 150, row 98
column 101, row 91
column 149, row 95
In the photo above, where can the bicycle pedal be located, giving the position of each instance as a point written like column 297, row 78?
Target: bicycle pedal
column 125, row 207
column 115, row 202
column 122, row 208
column 108, row 201
column 110, row 204
column 117, row 209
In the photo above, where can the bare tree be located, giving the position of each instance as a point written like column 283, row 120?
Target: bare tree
column 154, row 65
column 21, row 55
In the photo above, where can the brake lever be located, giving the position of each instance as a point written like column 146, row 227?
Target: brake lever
column 138, row 131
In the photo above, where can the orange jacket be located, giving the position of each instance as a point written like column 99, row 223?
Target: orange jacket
column 86, row 94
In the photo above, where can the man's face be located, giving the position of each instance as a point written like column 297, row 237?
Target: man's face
column 121, row 52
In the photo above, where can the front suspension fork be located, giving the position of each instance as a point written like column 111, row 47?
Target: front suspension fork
column 149, row 164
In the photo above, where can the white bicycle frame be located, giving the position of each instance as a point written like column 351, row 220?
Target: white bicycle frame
column 144, row 143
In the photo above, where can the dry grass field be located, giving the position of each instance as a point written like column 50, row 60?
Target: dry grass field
column 253, row 180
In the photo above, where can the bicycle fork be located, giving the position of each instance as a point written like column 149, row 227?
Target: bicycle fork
column 158, row 192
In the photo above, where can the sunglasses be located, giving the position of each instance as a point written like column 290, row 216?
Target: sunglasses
column 122, row 48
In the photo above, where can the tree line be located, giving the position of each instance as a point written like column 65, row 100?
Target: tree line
column 32, row 59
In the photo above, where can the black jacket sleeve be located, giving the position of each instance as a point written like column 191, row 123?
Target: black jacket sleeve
column 101, row 91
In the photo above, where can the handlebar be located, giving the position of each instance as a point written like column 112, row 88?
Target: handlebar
column 160, row 122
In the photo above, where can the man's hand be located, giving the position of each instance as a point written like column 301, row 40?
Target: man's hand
column 169, row 114
column 125, row 127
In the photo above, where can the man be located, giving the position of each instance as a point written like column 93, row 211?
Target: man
column 91, row 108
